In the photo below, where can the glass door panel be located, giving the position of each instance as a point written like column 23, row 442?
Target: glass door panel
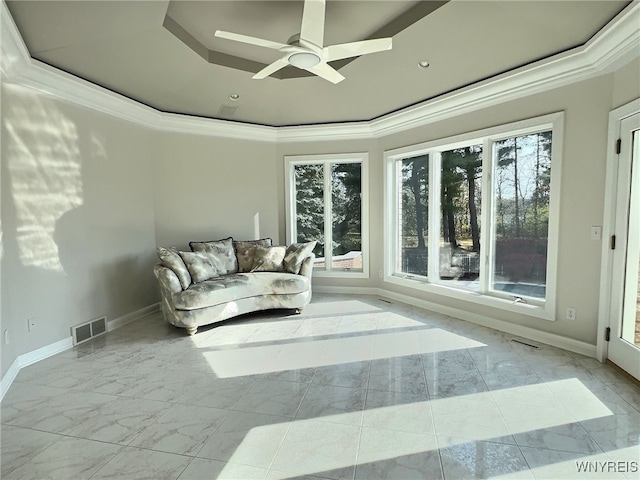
column 631, row 314
column 624, row 346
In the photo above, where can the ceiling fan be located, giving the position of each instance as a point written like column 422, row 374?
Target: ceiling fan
column 306, row 50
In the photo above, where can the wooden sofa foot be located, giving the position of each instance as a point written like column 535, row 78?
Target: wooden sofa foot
column 192, row 330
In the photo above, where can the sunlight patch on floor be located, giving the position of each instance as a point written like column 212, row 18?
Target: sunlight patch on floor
column 338, row 318
column 485, row 416
column 334, row 351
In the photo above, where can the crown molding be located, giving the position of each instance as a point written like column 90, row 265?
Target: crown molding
column 18, row 67
column 611, row 48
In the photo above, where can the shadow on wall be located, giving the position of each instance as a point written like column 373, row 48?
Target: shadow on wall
column 66, row 260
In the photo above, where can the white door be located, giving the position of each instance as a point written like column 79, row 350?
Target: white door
column 624, row 345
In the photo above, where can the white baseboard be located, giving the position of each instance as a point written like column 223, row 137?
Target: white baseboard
column 47, row 351
column 30, row 358
column 132, row 317
column 347, row 290
column 9, row 377
column 551, row 339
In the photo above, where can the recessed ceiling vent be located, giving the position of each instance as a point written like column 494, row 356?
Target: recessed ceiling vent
column 87, row 331
column 226, row 111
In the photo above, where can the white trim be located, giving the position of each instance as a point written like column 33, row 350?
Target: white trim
column 611, row 48
column 9, row 377
column 551, row 339
column 132, row 317
column 47, row 351
column 347, row 290
column 608, row 226
column 493, row 301
column 32, row 357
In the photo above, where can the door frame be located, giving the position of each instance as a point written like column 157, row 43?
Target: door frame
column 609, row 223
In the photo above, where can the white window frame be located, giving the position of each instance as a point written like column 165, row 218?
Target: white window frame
column 290, row 201
column 539, row 308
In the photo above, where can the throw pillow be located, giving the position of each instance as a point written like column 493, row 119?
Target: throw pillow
column 268, row 259
column 244, row 252
column 220, row 253
column 199, row 266
column 296, row 253
column 170, row 258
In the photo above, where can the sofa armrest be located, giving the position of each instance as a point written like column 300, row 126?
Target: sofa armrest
column 306, row 268
column 168, row 280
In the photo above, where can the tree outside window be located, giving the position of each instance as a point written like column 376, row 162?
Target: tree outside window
column 327, row 207
column 485, row 225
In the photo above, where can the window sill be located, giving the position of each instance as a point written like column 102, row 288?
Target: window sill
column 543, row 312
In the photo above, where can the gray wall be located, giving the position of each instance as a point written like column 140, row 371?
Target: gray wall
column 207, row 188
column 77, row 219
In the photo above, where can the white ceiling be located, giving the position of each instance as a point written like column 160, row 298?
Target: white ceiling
column 123, row 46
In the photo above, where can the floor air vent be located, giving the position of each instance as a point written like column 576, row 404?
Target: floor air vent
column 89, row 330
column 521, row 342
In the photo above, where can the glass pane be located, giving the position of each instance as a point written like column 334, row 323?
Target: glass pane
column 521, row 215
column 460, row 194
column 346, row 216
column 310, row 208
column 413, row 189
column 631, row 301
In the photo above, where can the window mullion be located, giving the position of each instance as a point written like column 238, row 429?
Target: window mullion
column 486, row 217
column 433, row 261
column 328, row 216
column 396, row 217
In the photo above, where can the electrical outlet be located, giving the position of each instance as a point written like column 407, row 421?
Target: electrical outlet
column 571, row 314
column 380, row 273
column 31, row 324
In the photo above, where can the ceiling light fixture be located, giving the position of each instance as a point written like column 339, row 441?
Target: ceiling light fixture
column 423, row 64
column 304, row 60
column 234, row 97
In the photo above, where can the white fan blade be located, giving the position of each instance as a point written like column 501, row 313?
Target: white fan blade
column 327, row 72
column 272, row 68
column 312, row 29
column 260, row 42
column 354, row 49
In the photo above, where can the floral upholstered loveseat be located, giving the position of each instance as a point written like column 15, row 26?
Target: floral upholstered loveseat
column 221, row 279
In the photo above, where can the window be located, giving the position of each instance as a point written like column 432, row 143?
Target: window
column 327, row 202
column 476, row 216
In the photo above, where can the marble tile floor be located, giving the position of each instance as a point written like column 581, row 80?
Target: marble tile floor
column 353, row 388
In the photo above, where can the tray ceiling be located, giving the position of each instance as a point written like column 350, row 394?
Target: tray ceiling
column 164, row 54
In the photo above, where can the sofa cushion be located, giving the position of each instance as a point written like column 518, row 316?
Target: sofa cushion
column 170, row 258
column 220, row 253
column 199, row 265
column 268, row 259
column 296, row 253
column 229, row 288
column 245, row 252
